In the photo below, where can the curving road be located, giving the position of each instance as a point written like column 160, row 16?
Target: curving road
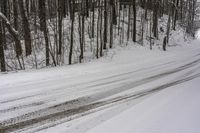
column 59, row 102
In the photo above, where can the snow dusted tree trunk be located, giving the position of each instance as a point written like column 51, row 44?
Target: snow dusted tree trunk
column 17, row 42
column 72, row 4
column 155, row 18
column 13, row 32
column 129, row 22
column 112, row 3
column 2, row 56
column 98, row 31
column 81, row 29
column 105, row 24
column 101, row 32
column 26, row 28
column 93, row 18
column 175, row 14
column 60, row 20
column 3, row 9
column 42, row 14
column 134, row 21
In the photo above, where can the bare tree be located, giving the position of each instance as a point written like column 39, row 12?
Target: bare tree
column 26, row 28
column 2, row 56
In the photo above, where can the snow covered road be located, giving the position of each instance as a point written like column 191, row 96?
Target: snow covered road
column 42, row 100
column 173, row 110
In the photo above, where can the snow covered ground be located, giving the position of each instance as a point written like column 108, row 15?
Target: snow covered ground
column 132, row 89
column 174, row 110
column 198, row 34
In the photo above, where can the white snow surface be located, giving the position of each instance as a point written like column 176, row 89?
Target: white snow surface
column 175, row 110
column 116, row 78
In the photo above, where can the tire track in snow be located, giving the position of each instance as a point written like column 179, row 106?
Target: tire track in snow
column 92, row 84
column 83, row 110
column 85, row 104
column 98, row 106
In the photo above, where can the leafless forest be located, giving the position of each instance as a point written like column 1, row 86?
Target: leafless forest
column 40, row 33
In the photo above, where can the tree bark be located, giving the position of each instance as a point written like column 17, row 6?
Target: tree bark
column 26, row 28
column 42, row 14
column 2, row 56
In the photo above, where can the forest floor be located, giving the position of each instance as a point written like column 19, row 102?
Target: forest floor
column 131, row 89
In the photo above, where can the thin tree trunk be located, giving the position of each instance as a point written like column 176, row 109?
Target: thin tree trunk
column 72, row 32
column 134, row 21
column 2, row 56
column 26, row 28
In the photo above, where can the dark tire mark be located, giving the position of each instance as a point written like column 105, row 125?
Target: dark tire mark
column 85, row 108
column 80, row 84
column 22, row 106
column 85, row 104
column 129, row 74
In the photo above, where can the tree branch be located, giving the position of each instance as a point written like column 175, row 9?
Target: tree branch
column 12, row 31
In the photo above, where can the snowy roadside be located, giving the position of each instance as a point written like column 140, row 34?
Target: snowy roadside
column 174, row 110
column 127, row 72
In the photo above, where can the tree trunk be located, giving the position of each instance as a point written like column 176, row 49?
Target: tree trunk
column 60, row 19
column 26, row 28
column 17, row 42
column 42, row 14
column 2, row 57
column 134, row 21
column 72, row 32
column 105, row 24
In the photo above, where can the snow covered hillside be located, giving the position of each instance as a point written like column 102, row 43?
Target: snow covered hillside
column 99, row 66
column 130, row 90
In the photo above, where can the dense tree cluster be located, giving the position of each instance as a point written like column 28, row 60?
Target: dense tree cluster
column 64, row 30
